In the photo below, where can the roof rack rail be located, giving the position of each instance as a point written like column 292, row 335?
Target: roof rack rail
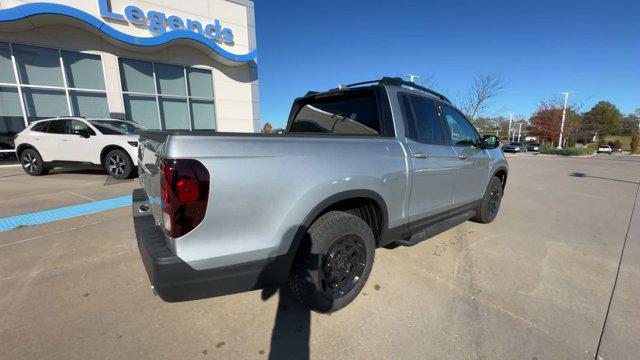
column 396, row 81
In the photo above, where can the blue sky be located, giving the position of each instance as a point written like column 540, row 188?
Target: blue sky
column 540, row 47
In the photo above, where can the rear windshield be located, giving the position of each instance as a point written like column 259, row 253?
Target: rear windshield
column 516, row 144
column 353, row 112
column 114, row 127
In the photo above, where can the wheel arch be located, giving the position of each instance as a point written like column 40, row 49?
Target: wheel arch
column 371, row 208
column 23, row 147
column 501, row 173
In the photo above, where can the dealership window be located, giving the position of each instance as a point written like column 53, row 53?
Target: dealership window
column 167, row 96
column 38, row 82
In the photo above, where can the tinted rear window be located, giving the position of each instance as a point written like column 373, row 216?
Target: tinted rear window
column 354, row 112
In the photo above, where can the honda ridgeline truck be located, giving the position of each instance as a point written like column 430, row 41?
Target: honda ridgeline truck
column 362, row 166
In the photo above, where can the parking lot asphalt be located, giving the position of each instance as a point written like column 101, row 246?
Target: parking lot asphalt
column 537, row 283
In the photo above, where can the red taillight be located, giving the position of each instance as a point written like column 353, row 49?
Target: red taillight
column 185, row 192
column 188, row 191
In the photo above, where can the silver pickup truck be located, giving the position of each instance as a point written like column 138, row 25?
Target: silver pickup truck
column 372, row 164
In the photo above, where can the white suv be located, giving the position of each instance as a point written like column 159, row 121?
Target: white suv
column 70, row 141
column 605, row 149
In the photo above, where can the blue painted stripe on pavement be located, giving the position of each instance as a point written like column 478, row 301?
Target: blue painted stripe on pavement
column 66, row 212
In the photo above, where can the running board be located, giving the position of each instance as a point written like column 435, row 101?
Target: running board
column 437, row 228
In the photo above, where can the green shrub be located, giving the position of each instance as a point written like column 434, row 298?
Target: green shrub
column 625, row 140
column 570, row 151
column 635, row 144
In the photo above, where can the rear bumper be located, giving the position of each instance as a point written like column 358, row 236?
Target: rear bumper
column 174, row 280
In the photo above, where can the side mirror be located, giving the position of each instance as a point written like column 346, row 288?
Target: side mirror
column 490, row 142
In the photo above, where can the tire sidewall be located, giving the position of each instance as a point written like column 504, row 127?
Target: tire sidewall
column 128, row 170
column 323, row 234
column 485, row 213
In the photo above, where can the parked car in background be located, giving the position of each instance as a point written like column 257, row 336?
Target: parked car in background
column 616, row 150
column 514, row 147
column 75, row 141
column 359, row 167
column 604, row 149
column 535, row 147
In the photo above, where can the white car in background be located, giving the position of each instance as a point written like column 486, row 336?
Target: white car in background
column 606, row 149
column 73, row 141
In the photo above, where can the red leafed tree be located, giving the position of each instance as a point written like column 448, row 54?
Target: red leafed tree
column 546, row 120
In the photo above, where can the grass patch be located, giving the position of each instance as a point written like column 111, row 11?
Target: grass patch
column 570, row 151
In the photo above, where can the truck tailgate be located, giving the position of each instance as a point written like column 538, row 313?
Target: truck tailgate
column 151, row 144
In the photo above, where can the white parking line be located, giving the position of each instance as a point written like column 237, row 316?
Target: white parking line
column 82, row 196
column 53, row 233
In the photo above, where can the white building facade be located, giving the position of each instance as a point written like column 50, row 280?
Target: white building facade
column 165, row 64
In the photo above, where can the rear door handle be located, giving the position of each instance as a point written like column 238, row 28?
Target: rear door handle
column 421, row 155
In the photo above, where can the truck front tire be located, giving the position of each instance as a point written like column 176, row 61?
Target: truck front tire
column 490, row 204
column 334, row 262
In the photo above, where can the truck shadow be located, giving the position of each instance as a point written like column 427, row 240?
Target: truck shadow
column 292, row 328
column 583, row 175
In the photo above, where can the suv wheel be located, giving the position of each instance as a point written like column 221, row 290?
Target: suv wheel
column 490, row 204
column 118, row 164
column 333, row 266
column 32, row 163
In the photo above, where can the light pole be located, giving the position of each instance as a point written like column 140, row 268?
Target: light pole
column 564, row 115
column 519, row 131
column 509, row 132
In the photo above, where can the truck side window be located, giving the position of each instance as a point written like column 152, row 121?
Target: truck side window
column 423, row 123
column 352, row 112
column 461, row 131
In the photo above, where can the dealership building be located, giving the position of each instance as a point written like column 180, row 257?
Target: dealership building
column 165, row 64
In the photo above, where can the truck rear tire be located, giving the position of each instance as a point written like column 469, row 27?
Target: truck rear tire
column 334, row 262
column 490, row 204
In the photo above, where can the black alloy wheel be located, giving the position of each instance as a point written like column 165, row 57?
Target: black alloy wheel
column 343, row 266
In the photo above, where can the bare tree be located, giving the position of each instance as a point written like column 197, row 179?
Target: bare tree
column 267, row 128
column 482, row 90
